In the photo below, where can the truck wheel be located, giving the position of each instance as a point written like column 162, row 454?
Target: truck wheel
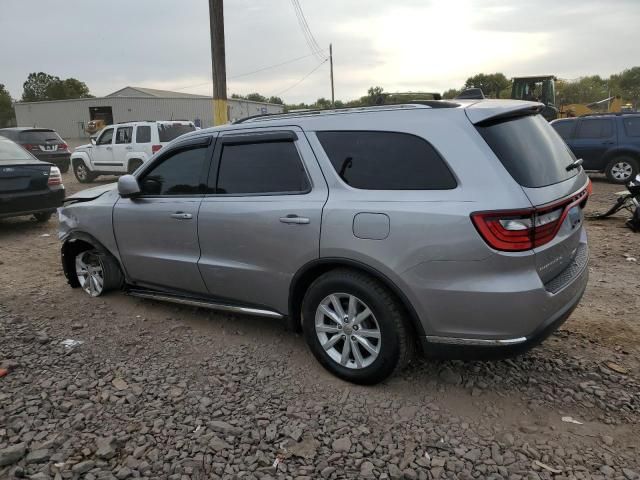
column 356, row 327
column 134, row 165
column 621, row 169
column 82, row 173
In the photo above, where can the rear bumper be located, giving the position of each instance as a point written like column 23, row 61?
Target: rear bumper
column 61, row 160
column 27, row 203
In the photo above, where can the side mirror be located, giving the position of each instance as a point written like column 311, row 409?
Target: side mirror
column 128, row 186
column 93, row 140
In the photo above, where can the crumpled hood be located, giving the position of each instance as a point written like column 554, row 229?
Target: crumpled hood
column 91, row 193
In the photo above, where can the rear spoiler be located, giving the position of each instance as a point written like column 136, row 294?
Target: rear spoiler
column 496, row 110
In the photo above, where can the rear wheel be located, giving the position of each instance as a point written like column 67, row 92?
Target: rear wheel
column 97, row 273
column 42, row 216
column 355, row 327
column 82, row 173
column 621, row 169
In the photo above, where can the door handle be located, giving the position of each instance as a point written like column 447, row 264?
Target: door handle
column 108, row 148
column 181, row 216
column 294, row 219
column 129, row 148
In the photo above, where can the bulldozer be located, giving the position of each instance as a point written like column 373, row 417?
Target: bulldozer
column 607, row 105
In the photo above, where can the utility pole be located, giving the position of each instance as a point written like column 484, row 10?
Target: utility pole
column 216, row 22
column 333, row 100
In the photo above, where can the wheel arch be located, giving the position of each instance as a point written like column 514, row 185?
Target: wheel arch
column 622, row 152
column 76, row 242
column 80, row 157
column 305, row 276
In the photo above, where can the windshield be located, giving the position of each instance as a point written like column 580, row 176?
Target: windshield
column 530, row 149
column 39, row 136
column 10, row 152
column 171, row 131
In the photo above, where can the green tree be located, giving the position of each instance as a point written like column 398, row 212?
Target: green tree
column 42, row 86
column 451, row 93
column 274, row 99
column 7, row 112
column 630, row 84
column 256, row 97
column 584, row 90
column 492, row 84
column 323, row 103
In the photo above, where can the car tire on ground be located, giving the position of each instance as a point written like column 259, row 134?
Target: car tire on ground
column 356, row 327
column 82, row 172
column 97, row 272
column 134, row 164
column 621, row 169
column 64, row 168
column 42, row 217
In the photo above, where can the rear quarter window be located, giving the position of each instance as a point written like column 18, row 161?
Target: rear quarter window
column 386, row 161
column 632, row 126
column 531, row 151
column 564, row 128
column 171, row 131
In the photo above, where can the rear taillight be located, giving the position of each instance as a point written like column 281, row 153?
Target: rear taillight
column 155, row 148
column 518, row 230
column 63, row 147
column 55, row 177
column 28, row 146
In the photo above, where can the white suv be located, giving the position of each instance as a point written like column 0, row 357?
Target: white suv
column 122, row 148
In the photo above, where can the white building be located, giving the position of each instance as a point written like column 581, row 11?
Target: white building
column 69, row 117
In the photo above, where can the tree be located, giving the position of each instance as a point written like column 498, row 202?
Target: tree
column 7, row 112
column 274, row 99
column 630, row 84
column 42, row 86
column 323, row 103
column 584, row 90
column 256, row 97
column 491, row 84
column 451, row 93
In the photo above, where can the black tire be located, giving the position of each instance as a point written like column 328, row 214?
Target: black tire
column 82, row 172
column 64, row 168
column 134, row 165
column 397, row 345
column 42, row 217
column 618, row 167
column 111, row 273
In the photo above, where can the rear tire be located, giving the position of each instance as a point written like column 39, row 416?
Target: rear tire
column 97, row 273
column 82, row 172
column 621, row 170
column 42, row 217
column 352, row 344
column 134, row 165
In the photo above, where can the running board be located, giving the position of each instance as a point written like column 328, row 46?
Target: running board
column 166, row 297
column 476, row 341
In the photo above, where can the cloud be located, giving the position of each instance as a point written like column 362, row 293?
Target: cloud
column 403, row 45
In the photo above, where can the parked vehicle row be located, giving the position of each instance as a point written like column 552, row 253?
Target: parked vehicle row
column 28, row 186
column 608, row 143
column 43, row 143
column 371, row 230
column 124, row 147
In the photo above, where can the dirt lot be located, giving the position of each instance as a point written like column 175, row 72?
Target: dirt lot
column 162, row 391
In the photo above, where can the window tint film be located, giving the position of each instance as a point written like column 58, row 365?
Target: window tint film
column 632, row 126
column 386, row 161
column 178, row 174
column 595, row 128
column 123, row 134
column 143, row 134
column 564, row 129
column 171, row 131
column 273, row 167
column 106, row 137
column 531, row 151
column 39, row 136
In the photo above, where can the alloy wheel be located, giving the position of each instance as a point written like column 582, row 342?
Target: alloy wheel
column 90, row 273
column 621, row 171
column 81, row 172
column 348, row 330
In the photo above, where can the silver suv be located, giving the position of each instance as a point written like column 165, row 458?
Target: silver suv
column 371, row 230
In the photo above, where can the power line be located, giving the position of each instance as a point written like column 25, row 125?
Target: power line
column 306, row 31
column 303, row 78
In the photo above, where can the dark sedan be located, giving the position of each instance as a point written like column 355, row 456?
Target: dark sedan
column 27, row 185
column 45, row 144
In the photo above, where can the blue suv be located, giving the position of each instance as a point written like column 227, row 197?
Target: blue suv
column 608, row 143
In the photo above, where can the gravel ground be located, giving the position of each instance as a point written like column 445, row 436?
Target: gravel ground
column 164, row 391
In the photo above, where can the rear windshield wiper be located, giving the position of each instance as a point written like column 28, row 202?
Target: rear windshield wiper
column 574, row 164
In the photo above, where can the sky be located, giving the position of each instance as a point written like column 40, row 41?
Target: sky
column 400, row 45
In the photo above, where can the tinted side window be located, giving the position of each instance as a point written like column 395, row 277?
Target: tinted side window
column 178, row 174
column 564, row 129
column 123, row 134
column 273, row 167
column 386, row 161
column 632, row 126
column 106, row 137
column 595, row 128
column 143, row 134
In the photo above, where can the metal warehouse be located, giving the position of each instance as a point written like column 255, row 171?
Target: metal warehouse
column 70, row 117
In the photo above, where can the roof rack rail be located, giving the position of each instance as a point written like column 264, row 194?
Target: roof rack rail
column 319, row 111
column 615, row 114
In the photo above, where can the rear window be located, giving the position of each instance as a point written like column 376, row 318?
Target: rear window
column 386, row 161
column 531, row 151
column 143, row 134
column 564, row 129
column 39, row 136
column 632, row 126
column 171, row 131
column 595, row 128
column 10, row 152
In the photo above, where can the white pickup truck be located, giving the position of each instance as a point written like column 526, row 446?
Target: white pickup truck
column 122, row 148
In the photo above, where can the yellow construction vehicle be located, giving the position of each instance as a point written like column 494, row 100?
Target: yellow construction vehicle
column 608, row 105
